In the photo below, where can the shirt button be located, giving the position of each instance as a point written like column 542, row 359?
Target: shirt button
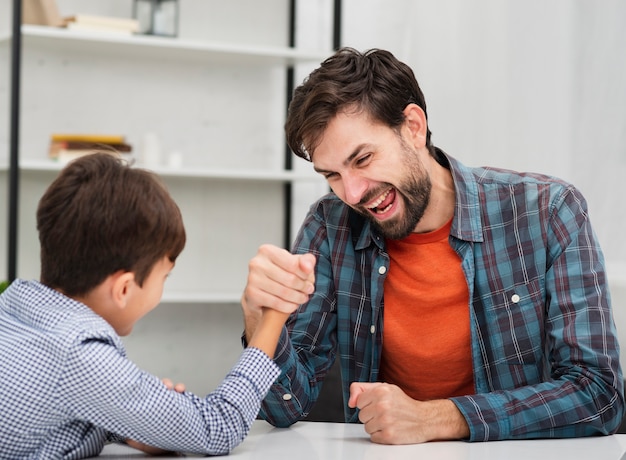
column 286, row 397
column 514, row 298
column 372, row 328
column 382, row 270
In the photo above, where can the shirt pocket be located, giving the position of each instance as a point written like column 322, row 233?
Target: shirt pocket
column 512, row 325
column 515, row 322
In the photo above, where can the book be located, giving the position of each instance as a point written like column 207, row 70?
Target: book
column 41, row 13
column 98, row 138
column 66, row 147
column 101, row 23
column 58, row 146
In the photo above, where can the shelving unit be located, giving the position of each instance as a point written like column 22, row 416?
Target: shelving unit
column 164, row 48
column 221, row 104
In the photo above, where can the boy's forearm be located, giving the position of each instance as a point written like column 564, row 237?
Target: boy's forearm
column 268, row 330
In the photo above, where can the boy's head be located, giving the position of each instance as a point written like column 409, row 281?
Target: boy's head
column 99, row 217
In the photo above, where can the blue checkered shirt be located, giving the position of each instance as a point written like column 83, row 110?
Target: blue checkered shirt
column 68, row 388
column 544, row 347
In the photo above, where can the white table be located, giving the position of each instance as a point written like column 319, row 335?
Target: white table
column 330, row 441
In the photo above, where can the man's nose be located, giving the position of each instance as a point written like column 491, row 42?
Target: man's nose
column 354, row 188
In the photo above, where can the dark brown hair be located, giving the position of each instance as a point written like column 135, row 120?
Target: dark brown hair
column 99, row 216
column 373, row 81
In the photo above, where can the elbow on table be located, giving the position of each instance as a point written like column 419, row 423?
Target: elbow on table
column 616, row 420
column 283, row 420
column 610, row 408
column 222, row 442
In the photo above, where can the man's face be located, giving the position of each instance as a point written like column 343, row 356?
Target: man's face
column 373, row 169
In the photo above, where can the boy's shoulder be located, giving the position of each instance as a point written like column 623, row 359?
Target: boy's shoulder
column 50, row 346
column 34, row 308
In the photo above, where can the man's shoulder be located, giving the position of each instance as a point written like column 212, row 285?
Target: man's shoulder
column 496, row 176
column 499, row 176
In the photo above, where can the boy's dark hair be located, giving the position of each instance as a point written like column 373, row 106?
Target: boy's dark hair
column 100, row 216
column 373, row 81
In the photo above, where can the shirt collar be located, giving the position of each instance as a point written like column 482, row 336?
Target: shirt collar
column 467, row 223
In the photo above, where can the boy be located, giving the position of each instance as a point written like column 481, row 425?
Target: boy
column 109, row 235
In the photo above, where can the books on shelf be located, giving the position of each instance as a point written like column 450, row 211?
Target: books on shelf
column 41, row 12
column 93, row 23
column 99, row 138
column 46, row 13
column 67, row 147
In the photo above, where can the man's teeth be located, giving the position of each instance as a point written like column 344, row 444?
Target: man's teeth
column 378, row 202
column 380, row 211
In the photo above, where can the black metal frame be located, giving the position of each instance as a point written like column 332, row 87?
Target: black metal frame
column 14, row 176
column 288, row 163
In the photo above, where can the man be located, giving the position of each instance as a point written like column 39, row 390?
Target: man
column 462, row 303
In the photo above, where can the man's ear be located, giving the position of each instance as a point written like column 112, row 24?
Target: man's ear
column 415, row 120
column 122, row 284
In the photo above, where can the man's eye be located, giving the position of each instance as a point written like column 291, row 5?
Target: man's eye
column 361, row 161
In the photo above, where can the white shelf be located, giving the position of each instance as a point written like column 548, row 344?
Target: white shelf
column 47, row 166
column 167, row 48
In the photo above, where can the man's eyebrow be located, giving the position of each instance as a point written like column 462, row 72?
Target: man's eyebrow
column 358, row 149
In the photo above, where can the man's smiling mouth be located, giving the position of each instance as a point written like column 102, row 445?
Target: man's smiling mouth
column 383, row 203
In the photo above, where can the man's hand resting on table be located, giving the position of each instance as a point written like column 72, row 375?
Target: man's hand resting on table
column 390, row 416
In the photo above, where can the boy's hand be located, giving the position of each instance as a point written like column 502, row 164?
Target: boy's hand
column 179, row 387
column 146, row 448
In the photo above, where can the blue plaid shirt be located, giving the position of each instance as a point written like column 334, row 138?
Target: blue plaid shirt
column 544, row 345
column 68, row 388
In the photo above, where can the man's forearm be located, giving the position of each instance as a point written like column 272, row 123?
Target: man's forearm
column 447, row 420
column 541, row 411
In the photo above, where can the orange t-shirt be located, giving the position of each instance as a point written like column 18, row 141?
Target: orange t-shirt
column 426, row 336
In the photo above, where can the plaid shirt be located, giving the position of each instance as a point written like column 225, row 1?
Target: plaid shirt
column 67, row 386
column 544, row 345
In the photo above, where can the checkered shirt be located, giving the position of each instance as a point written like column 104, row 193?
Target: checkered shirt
column 544, row 345
column 68, row 388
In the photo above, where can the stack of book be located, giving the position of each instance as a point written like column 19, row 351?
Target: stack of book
column 92, row 23
column 41, row 13
column 67, row 147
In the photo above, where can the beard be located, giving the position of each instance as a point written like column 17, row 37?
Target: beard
column 414, row 191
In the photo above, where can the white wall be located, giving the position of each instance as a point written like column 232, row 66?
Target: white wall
column 528, row 85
